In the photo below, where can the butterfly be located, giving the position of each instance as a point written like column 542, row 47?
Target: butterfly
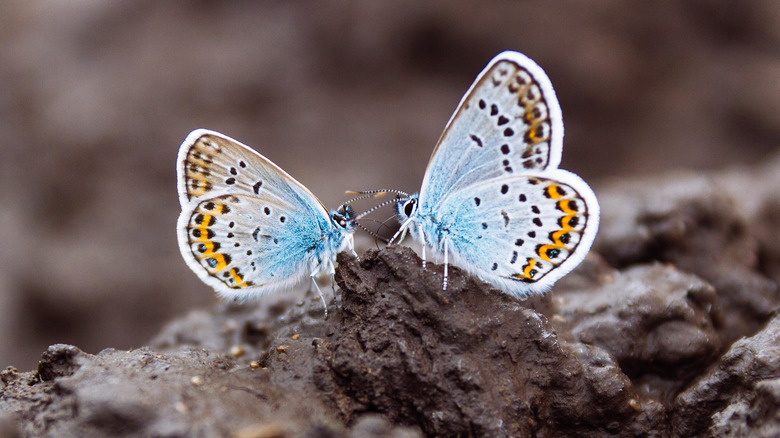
column 493, row 199
column 247, row 228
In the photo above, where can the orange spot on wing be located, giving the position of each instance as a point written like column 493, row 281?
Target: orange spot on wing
column 552, row 192
column 221, row 264
column 565, row 222
column 528, row 270
column 564, row 206
column 200, row 188
column 543, row 252
column 209, row 248
column 238, row 280
column 204, row 227
column 556, row 238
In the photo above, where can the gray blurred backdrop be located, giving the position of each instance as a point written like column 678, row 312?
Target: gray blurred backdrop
column 95, row 98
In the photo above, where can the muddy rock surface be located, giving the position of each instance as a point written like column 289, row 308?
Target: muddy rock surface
column 669, row 328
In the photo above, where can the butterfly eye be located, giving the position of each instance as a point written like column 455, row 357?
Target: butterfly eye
column 409, row 207
column 343, row 216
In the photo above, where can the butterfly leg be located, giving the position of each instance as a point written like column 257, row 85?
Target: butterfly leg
column 403, row 235
column 351, row 246
column 422, row 240
column 446, row 263
column 316, row 271
column 322, row 297
column 401, row 231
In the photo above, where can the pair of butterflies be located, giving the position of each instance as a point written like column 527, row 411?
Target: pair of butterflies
column 492, row 201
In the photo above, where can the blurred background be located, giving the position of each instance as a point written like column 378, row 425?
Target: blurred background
column 96, row 97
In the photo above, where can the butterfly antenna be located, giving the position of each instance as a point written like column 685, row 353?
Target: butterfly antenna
column 377, row 207
column 372, row 194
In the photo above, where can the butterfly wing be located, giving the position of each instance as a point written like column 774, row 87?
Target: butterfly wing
column 521, row 233
column 246, row 227
column 508, row 122
column 211, row 164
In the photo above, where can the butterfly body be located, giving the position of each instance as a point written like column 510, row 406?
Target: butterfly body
column 247, row 228
column 492, row 198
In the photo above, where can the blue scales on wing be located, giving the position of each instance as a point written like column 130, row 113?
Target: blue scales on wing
column 247, row 227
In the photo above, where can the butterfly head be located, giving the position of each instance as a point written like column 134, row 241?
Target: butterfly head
column 406, row 206
column 344, row 217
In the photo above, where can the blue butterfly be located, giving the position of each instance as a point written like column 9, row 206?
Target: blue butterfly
column 248, row 228
column 493, row 200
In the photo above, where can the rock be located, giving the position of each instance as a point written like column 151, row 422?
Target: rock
column 718, row 397
column 758, row 418
column 757, row 198
column 693, row 223
column 653, row 319
column 468, row 361
column 606, row 353
column 146, row 393
column 60, row 360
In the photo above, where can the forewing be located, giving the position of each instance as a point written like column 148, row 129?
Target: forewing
column 508, row 122
column 522, row 233
column 211, row 164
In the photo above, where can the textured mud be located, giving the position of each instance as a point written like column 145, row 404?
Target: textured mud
column 669, row 328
